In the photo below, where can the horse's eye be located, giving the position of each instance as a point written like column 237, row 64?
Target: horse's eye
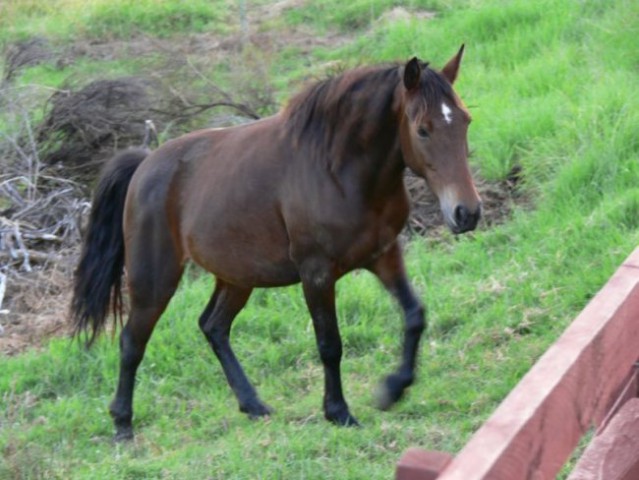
column 422, row 132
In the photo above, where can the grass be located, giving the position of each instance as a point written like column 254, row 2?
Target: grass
column 63, row 20
column 551, row 86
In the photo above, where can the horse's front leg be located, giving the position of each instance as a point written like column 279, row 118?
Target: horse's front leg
column 390, row 270
column 318, row 282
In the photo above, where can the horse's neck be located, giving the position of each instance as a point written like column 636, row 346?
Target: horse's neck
column 388, row 178
column 386, row 162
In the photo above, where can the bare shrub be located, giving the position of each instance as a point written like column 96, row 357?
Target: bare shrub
column 86, row 124
column 23, row 54
column 40, row 215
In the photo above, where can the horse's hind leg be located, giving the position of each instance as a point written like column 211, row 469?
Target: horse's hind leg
column 153, row 275
column 390, row 270
column 215, row 323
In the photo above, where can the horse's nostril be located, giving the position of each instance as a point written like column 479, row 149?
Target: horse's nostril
column 465, row 220
column 461, row 216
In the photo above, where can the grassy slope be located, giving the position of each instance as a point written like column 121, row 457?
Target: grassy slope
column 552, row 86
column 98, row 19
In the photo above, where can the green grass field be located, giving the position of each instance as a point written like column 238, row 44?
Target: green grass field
column 552, row 86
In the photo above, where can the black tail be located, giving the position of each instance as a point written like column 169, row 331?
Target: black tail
column 98, row 277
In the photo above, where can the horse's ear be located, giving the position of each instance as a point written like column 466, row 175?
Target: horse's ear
column 412, row 72
column 452, row 67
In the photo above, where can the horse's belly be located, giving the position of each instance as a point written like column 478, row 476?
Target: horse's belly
column 247, row 257
column 255, row 270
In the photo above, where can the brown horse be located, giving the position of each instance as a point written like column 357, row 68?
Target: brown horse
column 306, row 195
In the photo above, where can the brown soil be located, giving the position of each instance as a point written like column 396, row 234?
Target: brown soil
column 37, row 304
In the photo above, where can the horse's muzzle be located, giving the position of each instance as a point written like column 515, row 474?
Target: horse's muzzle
column 465, row 220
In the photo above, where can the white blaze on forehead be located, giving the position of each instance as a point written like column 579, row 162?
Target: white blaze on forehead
column 447, row 112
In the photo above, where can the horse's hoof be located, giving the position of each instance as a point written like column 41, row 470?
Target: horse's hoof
column 263, row 414
column 388, row 393
column 346, row 421
column 383, row 400
column 342, row 418
column 350, row 421
column 256, row 409
column 124, row 434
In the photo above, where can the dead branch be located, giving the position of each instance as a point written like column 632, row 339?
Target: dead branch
column 35, row 256
column 3, row 289
column 195, row 110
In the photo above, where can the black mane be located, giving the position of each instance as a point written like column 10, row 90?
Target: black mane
column 344, row 113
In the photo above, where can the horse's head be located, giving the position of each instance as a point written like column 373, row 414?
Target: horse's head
column 433, row 132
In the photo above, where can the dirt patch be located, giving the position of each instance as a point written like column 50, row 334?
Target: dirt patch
column 36, row 305
column 398, row 14
column 498, row 200
column 252, row 34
